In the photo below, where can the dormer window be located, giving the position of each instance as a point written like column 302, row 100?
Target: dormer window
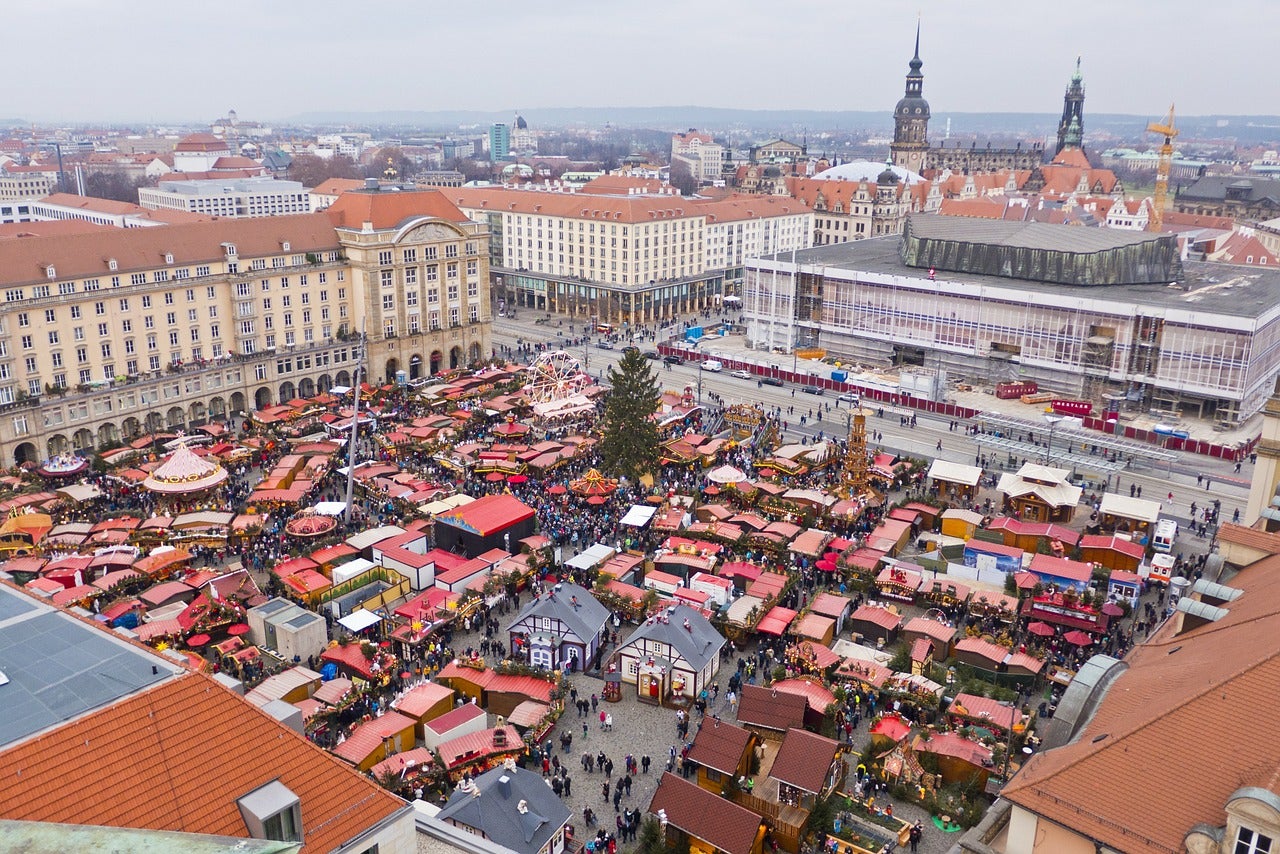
column 113, row 264
column 52, row 273
column 168, row 257
column 285, row 246
column 1251, row 842
column 273, row 812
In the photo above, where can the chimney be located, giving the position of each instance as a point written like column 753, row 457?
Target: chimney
column 504, row 786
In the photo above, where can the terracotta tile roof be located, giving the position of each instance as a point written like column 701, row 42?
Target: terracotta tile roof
column 150, row 774
column 390, row 210
column 81, row 255
column 720, row 745
column 709, row 817
column 1146, row 730
column 804, row 759
column 1250, row 538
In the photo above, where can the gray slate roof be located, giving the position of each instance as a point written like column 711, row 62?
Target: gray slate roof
column 698, row 644
column 59, row 668
column 498, row 815
column 585, row 621
column 1214, row 188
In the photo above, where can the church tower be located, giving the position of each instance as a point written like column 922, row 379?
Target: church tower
column 1072, row 112
column 911, row 120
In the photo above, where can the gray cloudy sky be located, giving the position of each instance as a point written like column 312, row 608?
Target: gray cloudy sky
column 157, row 60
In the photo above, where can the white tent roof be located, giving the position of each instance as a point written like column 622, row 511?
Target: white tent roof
column 639, row 515
column 955, row 472
column 330, row 508
column 358, row 621
column 727, row 474
column 1130, row 508
column 78, row 492
column 594, row 555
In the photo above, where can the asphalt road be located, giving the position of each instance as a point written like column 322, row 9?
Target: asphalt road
column 918, row 441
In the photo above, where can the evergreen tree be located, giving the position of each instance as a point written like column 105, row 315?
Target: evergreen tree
column 629, row 445
column 649, row 840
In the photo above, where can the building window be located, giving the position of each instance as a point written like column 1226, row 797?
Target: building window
column 1251, row 842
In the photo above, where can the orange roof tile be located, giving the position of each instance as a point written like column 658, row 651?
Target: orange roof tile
column 149, row 772
column 88, row 254
column 1147, row 730
column 389, row 210
column 720, row 746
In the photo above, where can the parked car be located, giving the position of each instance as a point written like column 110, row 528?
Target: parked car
column 652, row 354
column 742, row 375
column 673, row 359
column 771, row 380
column 604, row 345
column 631, row 348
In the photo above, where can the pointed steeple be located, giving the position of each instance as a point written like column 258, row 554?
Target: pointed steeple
column 915, row 59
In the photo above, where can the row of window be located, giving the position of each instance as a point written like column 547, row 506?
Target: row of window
column 409, row 255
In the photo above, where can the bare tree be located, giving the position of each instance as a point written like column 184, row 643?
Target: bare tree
column 312, row 170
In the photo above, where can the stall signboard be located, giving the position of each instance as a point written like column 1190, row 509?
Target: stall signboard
column 1079, row 408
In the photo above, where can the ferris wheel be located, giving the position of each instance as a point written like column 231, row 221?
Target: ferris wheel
column 555, row 376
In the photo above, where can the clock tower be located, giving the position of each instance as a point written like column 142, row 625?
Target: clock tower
column 911, row 120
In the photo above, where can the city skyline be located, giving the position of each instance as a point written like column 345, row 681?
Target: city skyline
column 262, row 61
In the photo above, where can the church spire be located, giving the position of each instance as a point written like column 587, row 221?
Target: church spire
column 1072, row 113
column 915, row 59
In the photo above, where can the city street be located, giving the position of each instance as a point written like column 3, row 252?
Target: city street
column 920, row 440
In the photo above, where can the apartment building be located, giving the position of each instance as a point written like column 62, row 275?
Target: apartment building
column 241, row 197
column 18, row 182
column 627, row 259
column 110, row 334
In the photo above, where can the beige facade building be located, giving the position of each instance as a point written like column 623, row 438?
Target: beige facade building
column 110, row 334
column 632, row 259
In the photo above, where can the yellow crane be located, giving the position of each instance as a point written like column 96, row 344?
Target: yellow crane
column 1164, row 164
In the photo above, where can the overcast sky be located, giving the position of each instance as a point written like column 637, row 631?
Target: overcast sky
column 147, row 60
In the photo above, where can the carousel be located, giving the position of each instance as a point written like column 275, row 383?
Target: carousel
column 63, row 466
column 594, row 487
column 310, row 525
column 184, row 477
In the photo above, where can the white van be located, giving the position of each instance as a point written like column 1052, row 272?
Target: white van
column 1166, row 533
column 713, row 366
column 1160, row 570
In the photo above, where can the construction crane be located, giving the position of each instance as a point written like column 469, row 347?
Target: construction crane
column 1164, row 164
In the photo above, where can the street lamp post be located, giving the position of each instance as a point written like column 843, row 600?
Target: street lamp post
column 1052, row 421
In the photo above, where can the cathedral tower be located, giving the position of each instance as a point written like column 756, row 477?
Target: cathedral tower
column 911, row 120
column 1072, row 112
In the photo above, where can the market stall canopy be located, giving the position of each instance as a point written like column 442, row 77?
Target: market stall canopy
column 330, row 508
column 358, row 621
column 1043, row 630
column 591, row 557
column 79, row 492
column 639, row 515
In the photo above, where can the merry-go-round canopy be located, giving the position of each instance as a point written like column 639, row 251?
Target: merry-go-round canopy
column 184, row 473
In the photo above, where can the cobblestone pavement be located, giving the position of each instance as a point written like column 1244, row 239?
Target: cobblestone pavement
column 638, row 729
